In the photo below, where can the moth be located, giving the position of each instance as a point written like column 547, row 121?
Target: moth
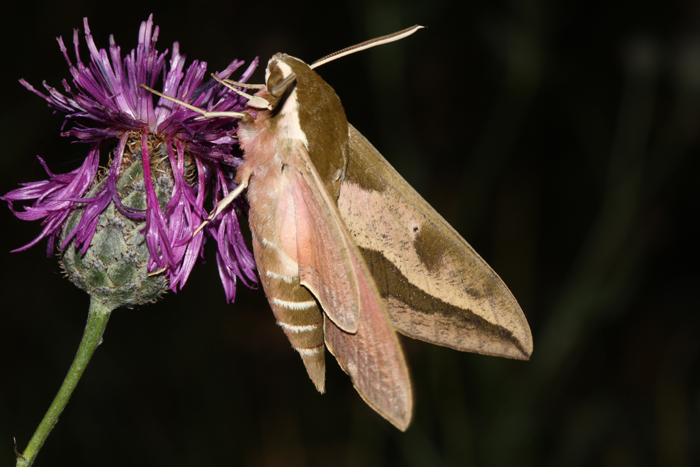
column 348, row 252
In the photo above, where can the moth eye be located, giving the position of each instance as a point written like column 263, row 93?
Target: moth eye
column 277, row 84
column 274, row 78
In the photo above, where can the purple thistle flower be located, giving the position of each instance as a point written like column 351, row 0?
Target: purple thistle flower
column 108, row 107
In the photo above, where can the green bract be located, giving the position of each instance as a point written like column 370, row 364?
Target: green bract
column 114, row 268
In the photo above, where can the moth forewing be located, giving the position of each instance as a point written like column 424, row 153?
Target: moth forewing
column 436, row 287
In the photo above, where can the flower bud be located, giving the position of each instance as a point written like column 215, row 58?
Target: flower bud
column 114, row 267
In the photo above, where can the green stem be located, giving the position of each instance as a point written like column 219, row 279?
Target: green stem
column 96, row 324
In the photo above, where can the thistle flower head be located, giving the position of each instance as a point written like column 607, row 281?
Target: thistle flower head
column 164, row 163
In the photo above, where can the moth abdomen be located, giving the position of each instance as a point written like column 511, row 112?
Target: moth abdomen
column 300, row 318
column 295, row 309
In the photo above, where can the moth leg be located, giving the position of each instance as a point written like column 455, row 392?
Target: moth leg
column 219, row 207
column 223, row 204
column 255, row 102
column 242, row 85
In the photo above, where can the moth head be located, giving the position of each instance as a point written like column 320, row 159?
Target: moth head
column 280, row 79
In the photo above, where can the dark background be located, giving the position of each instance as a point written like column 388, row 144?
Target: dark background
column 560, row 138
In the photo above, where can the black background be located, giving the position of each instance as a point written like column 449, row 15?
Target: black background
column 560, row 138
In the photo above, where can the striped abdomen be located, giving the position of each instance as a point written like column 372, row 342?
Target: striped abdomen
column 274, row 246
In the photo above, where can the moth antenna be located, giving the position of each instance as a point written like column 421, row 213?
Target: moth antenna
column 203, row 113
column 256, row 102
column 367, row 45
column 227, row 200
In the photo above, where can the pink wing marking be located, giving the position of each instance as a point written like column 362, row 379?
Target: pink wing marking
column 331, row 266
column 324, row 252
column 373, row 357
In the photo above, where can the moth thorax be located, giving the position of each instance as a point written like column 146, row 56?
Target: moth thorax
column 323, row 122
